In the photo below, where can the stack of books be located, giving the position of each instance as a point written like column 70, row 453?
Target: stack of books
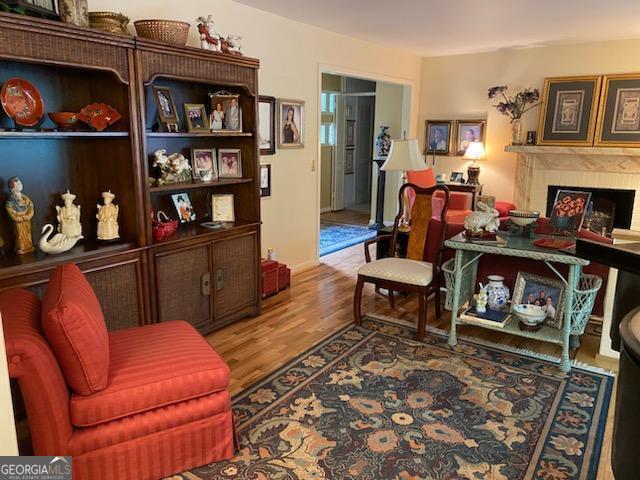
column 492, row 318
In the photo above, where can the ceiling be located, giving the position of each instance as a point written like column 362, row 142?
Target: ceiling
column 447, row 27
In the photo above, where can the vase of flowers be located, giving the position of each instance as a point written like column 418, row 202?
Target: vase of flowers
column 514, row 107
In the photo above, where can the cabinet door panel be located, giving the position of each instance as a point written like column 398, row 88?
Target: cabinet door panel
column 235, row 276
column 182, row 292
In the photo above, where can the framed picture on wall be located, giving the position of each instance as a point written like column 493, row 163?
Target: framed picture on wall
column 468, row 131
column 619, row 113
column 265, row 180
column 438, row 137
column 349, row 161
column 267, row 125
column 291, row 124
column 350, row 134
column 569, row 110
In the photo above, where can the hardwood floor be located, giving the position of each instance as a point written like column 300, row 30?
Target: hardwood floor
column 320, row 302
column 349, row 216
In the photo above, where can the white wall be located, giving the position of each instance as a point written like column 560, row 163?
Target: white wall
column 292, row 55
column 455, row 87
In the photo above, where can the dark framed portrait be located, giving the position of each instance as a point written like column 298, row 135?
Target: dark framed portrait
column 226, row 113
column 468, row 131
column 569, row 110
column 349, row 161
column 568, row 211
column 548, row 293
column 195, row 116
column 437, row 137
column 167, row 112
column 350, row 134
column 267, row 125
column 291, row 123
column 265, row 180
column 619, row 114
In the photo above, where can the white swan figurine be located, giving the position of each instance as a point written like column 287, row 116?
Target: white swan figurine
column 59, row 243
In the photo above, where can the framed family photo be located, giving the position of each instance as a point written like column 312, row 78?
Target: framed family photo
column 548, row 293
column 438, row 137
column 291, row 124
column 267, row 125
column 619, row 114
column 229, row 163
column 468, row 131
column 569, row 110
column 195, row 116
column 167, row 113
column 226, row 113
column 204, row 164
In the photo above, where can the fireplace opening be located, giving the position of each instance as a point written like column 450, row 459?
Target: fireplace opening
column 609, row 207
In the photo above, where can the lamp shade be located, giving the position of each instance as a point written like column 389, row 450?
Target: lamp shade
column 475, row 151
column 404, row 156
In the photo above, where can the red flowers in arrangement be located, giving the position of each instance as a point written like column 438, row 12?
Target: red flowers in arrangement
column 570, row 207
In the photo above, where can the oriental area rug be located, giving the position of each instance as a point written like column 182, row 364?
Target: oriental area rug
column 372, row 403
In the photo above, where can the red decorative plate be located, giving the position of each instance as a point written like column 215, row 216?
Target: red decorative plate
column 99, row 115
column 22, row 102
column 555, row 244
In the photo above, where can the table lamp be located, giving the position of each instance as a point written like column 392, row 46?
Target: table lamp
column 475, row 152
column 404, row 156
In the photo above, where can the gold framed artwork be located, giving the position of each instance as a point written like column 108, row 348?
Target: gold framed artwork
column 222, row 208
column 569, row 110
column 291, row 123
column 195, row 116
column 468, row 131
column 619, row 113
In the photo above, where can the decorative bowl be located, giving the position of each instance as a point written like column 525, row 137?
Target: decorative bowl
column 22, row 102
column 64, row 120
column 99, row 116
column 523, row 218
column 169, row 31
column 109, row 21
column 530, row 315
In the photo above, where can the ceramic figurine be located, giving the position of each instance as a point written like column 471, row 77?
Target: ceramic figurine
column 173, row 169
column 484, row 219
column 108, row 218
column 383, row 143
column 481, row 299
column 69, row 216
column 74, row 11
column 21, row 210
column 232, row 45
column 59, row 243
column 498, row 293
column 209, row 38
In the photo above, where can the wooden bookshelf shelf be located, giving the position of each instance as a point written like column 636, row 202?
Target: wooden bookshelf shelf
column 190, row 186
column 27, row 134
column 198, row 135
column 192, row 231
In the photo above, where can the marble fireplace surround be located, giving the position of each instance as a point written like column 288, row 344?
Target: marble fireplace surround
column 538, row 167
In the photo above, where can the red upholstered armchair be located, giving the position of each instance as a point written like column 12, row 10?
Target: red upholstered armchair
column 459, row 202
column 140, row 403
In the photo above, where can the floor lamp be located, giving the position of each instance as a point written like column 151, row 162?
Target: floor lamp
column 404, row 156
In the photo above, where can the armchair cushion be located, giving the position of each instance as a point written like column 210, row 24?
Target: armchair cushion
column 151, row 367
column 74, row 326
column 411, row 272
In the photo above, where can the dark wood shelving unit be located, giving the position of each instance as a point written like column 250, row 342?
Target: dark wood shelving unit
column 137, row 280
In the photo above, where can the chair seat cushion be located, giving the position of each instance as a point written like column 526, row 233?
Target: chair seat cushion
column 411, row 272
column 152, row 366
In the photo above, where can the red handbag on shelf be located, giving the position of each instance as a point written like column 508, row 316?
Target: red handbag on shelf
column 162, row 228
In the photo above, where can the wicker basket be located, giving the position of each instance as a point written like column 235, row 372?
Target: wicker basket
column 583, row 302
column 169, row 31
column 108, row 21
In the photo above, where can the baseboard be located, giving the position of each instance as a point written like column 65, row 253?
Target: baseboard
column 325, row 210
column 304, row 266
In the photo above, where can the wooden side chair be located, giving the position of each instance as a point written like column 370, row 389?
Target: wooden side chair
column 413, row 273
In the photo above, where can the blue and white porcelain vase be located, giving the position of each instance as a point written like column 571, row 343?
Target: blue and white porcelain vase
column 383, row 143
column 498, row 293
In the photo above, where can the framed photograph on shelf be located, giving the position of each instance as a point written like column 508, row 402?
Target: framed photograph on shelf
column 350, row 134
column 468, row 131
column 456, row 177
column 265, row 180
column 568, row 211
column 222, row 208
column 195, row 116
column 226, row 113
column 569, row 110
column 548, row 293
column 167, row 112
column 438, row 137
column 349, row 161
column 267, row 125
column 204, row 164
column 619, row 113
column 229, row 163
column 291, row 124
column 183, row 207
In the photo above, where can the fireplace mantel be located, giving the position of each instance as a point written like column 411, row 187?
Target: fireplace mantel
column 548, row 150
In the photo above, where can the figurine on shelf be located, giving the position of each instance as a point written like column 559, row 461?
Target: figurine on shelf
column 172, row 169
column 69, row 216
column 59, row 243
column 485, row 219
column 232, row 45
column 21, row 210
column 482, row 299
column 209, row 38
column 108, row 218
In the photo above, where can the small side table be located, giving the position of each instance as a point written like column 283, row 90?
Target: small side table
column 475, row 189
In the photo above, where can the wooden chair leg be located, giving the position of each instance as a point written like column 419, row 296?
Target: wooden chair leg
column 422, row 314
column 392, row 300
column 437, row 299
column 357, row 300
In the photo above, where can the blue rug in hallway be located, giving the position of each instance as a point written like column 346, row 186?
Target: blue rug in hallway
column 336, row 236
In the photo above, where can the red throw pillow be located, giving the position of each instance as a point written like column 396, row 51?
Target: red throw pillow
column 73, row 323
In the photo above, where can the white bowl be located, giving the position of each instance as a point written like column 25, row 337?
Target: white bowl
column 523, row 218
column 531, row 315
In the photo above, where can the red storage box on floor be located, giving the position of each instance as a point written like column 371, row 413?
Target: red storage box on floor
column 284, row 276
column 269, row 278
